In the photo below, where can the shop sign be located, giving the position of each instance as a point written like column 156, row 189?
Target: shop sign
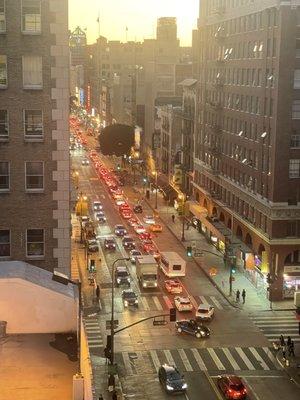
column 264, row 266
column 291, row 269
column 250, row 262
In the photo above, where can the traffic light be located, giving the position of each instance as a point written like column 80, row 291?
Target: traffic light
column 172, row 314
column 144, row 180
column 119, row 167
column 233, row 270
column 189, row 251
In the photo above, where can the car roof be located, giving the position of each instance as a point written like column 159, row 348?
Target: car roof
column 182, row 299
column 169, row 368
column 120, row 226
column 97, row 201
column 128, row 291
column 236, row 380
column 204, row 306
column 121, row 268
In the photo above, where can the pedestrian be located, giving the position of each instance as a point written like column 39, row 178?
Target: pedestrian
column 284, row 352
column 173, row 218
column 282, row 341
column 223, row 284
column 237, row 296
column 98, row 292
column 292, row 349
column 114, row 395
column 100, row 397
column 289, row 341
column 244, row 295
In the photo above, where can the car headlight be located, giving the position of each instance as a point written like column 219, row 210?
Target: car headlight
column 184, row 386
column 118, row 280
column 128, row 279
column 155, row 284
column 144, row 284
column 136, row 301
column 169, row 387
column 125, row 303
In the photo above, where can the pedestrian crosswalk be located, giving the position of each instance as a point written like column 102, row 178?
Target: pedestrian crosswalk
column 276, row 323
column 228, row 359
column 93, row 334
column 161, row 302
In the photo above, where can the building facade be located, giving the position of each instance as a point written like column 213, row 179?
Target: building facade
column 247, row 142
column 34, row 133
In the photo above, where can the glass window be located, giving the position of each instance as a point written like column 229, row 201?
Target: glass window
column 31, row 16
column 4, row 175
column 294, row 168
column 2, row 16
column 32, row 72
column 295, row 141
column 35, row 243
column 3, row 71
column 34, row 175
column 297, row 79
column 296, row 109
column 33, row 124
column 3, row 124
column 4, row 243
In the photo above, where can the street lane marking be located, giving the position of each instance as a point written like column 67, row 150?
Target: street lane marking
column 155, row 359
column 252, row 390
column 95, row 346
column 157, row 303
column 127, row 363
column 271, row 357
column 193, row 301
column 215, row 358
column 259, row 359
column 169, row 357
column 217, row 303
column 185, row 360
column 203, row 300
column 145, row 303
column 231, row 359
column 245, row 358
column 199, row 360
column 168, row 302
column 212, row 384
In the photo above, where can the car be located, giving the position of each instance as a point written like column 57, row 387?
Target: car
column 156, row 228
column 120, row 201
column 133, row 255
column 126, row 214
column 139, row 229
column 173, row 286
column 120, row 230
column 109, row 244
column 133, row 222
column 171, row 379
column 130, row 298
column 191, row 327
column 97, row 205
column 128, row 243
column 99, row 214
column 205, row 312
column 149, row 219
column 92, row 245
column 122, row 276
column 101, row 218
column 145, row 237
column 138, row 209
column 124, row 206
column 183, row 303
column 148, row 246
column 232, row 387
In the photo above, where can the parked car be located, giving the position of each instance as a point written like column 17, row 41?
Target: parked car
column 183, row 303
column 205, row 312
column 92, row 245
column 122, row 276
column 130, row 298
column 173, row 286
column 138, row 209
column 232, row 387
column 134, row 254
column 171, row 379
column 120, row 230
column 109, row 244
column 128, row 243
column 192, row 328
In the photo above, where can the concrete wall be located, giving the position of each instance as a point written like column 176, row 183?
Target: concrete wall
column 29, row 308
column 85, row 365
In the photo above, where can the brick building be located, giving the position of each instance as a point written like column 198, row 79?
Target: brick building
column 34, row 133
column 247, row 143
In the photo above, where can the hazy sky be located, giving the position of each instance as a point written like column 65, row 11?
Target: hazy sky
column 138, row 15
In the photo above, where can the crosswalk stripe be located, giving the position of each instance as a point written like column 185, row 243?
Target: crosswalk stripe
column 185, row 360
column 94, row 340
column 199, row 360
column 216, row 359
column 169, row 357
column 232, row 361
column 194, row 302
column 271, row 357
column 259, row 359
column 155, row 359
column 245, row 358
column 95, row 346
column 145, row 303
column 217, row 303
column 157, row 303
column 203, row 300
column 127, row 363
column 168, row 302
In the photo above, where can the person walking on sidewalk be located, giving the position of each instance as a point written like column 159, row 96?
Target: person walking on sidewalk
column 237, row 296
column 291, row 349
column 288, row 341
column 281, row 341
column 173, row 218
column 244, row 295
column 98, row 292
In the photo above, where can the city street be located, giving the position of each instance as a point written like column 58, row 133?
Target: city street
column 236, row 345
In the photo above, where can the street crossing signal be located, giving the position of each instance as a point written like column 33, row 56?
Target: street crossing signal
column 233, row 270
column 172, row 314
column 189, row 251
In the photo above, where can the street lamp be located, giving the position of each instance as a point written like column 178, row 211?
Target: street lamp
column 155, row 173
column 181, row 197
column 81, row 210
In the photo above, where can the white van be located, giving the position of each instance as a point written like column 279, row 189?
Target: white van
column 172, row 264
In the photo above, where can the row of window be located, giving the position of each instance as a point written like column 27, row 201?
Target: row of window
column 34, row 176
column 30, row 16
column 242, row 77
column 32, row 124
column 35, row 243
column 32, row 68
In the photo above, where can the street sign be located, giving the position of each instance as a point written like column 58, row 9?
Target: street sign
column 108, row 324
column 198, row 254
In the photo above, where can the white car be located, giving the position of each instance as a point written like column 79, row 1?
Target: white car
column 139, row 229
column 85, row 161
column 120, row 201
column 205, row 312
column 183, row 304
column 97, row 205
column 149, row 219
column 133, row 255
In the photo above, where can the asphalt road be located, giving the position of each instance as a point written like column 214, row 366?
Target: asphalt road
column 236, row 345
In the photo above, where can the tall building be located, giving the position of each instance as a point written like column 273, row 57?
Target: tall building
column 34, row 133
column 247, row 144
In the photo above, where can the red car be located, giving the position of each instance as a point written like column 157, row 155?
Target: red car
column 126, row 214
column 148, row 246
column 232, row 387
column 133, row 221
column 173, row 286
column 145, row 237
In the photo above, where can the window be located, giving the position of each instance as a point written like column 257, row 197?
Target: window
column 32, row 72
column 34, row 175
column 2, row 16
column 3, row 71
column 3, row 124
column 31, row 16
column 296, row 109
column 4, row 243
column 294, row 168
column 295, row 141
column 33, row 124
column 297, row 79
column 35, row 243
column 4, row 176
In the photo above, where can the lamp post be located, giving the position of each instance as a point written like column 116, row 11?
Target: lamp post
column 81, row 209
column 155, row 173
column 181, row 197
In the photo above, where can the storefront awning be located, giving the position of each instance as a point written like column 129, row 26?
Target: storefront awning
column 197, row 210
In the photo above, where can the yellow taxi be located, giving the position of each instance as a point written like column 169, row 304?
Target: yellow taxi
column 155, row 228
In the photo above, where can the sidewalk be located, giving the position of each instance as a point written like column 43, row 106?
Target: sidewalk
column 291, row 364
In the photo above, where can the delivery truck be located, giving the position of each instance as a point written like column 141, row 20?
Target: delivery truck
column 172, row 264
column 146, row 271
